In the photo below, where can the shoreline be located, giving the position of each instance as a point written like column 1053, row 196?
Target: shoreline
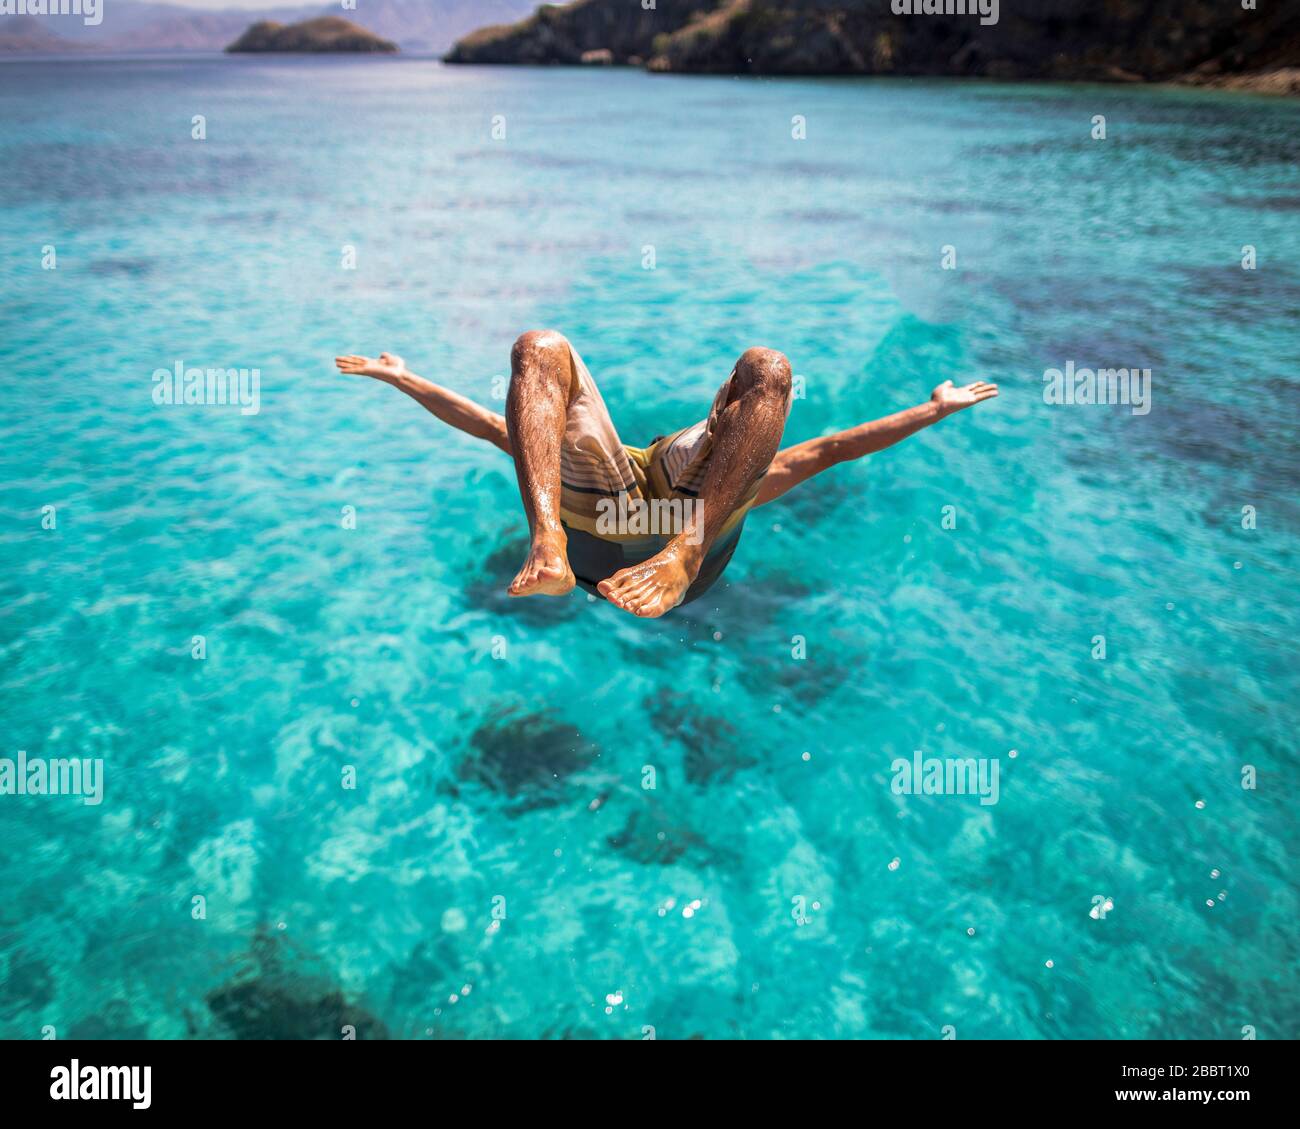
column 1276, row 84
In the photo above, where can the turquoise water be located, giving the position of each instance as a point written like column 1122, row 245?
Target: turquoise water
column 499, row 835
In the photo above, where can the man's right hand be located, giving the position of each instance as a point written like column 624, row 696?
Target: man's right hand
column 388, row 367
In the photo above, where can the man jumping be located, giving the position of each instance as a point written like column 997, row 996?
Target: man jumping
column 574, row 472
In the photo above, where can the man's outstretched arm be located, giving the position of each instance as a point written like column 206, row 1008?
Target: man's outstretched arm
column 798, row 463
column 448, row 406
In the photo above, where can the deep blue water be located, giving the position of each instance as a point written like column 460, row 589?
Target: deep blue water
column 499, row 835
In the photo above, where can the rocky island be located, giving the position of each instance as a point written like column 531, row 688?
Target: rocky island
column 1073, row 40
column 319, row 36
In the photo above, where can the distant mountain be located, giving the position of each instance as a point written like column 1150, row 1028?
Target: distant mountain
column 27, row 35
column 421, row 26
column 325, row 34
column 189, row 29
column 433, row 25
column 140, row 25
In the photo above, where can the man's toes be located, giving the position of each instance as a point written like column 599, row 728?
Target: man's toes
column 637, row 599
column 624, row 599
column 524, row 578
column 613, row 585
column 644, row 598
column 622, row 594
column 632, row 601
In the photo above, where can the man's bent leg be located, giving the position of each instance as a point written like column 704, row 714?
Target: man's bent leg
column 745, row 438
column 542, row 386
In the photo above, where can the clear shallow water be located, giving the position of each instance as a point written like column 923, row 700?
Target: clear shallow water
column 519, row 777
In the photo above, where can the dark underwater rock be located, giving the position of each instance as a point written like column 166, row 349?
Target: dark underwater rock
column 650, row 838
column 279, row 996
column 710, row 743
column 27, row 986
column 526, row 756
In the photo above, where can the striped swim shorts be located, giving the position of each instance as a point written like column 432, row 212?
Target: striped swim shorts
column 621, row 505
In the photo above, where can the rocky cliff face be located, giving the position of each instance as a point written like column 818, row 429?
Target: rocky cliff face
column 563, row 33
column 1114, row 40
column 327, row 34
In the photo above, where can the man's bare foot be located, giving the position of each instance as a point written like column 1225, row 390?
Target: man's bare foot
column 389, row 366
column 546, row 572
column 654, row 586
